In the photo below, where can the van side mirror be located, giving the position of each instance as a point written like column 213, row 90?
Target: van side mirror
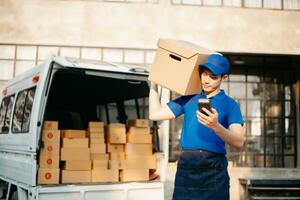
column 4, row 129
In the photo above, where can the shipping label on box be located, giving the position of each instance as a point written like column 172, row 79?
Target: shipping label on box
column 116, row 164
column 109, row 175
column 78, row 165
column 76, row 142
column 139, row 138
column 48, row 176
column 99, row 156
column 134, row 175
column 98, row 148
column 68, row 133
column 138, row 149
column 117, row 156
column 50, row 150
column 140, row 162
column 69, row 176
column 52, row 125
column 75, row 153
column 176, row 66
column 115, row 148
column 48, row 161
column 51, row 136
column 100, row 164
column 139, row 123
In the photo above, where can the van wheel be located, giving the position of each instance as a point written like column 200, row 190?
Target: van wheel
column 14, row 196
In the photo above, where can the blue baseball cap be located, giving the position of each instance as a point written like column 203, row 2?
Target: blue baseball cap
column 217, row 64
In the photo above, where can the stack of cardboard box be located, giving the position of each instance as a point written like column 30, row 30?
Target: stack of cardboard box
column 75, row 153
column 138, row 151
column 49, row 154
column 100, row 172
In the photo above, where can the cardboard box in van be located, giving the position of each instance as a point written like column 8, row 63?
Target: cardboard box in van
column 116, row 133
column 79, row 153
column 50, row 149
column 78, row 165
column 47, row 161
column 140, row 162
column 49, row 135
column 72, row 176
column 100, row 164
column 117, row 156
column 134, row 175
column 138, row 130
column 176, row 66
column 138, row 149
column 98, row 148
column 75, row 142
column 116, row 164
column 99, row 156
column 50, row 125
column 68, row 133
column 109, row 175
column 139, row 138
column 139, row 123
column 48, row 176
column 96, row 124
column 115, row 148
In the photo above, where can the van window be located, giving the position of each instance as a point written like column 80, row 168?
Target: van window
column 5, row 113
column 22, row 112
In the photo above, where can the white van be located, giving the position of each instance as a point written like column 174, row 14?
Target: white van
column 72, row 92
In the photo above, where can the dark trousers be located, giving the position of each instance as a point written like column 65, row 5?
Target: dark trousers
column 201, row 175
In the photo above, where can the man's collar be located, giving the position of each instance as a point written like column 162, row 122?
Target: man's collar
column 219, row 95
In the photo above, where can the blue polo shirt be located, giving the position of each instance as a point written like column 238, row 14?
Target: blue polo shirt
column 194, row 135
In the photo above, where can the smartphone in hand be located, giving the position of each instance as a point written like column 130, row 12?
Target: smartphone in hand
column 204, row 103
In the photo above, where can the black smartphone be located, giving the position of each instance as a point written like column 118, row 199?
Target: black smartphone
column 204, row 103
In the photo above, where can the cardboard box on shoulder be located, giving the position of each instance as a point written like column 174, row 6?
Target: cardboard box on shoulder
column 49, row 161
column 48, row 176
column 75, row 153
column 134, row 175
column 109, row 175
column 51, row 136
column 78, row 165
column 51, row 125
column 138, row 149
column 69, row 176
column 139, row 123
column 70, row 133
column 115, row 148
column 116, row 133
column 75, row 142
column 99, row 156
column 100, row 164
column 179, row 59
column 98, row 148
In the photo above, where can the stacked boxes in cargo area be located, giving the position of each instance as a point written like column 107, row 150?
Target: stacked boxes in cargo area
column 49, row 155
column 86, row 157
column 75, row 153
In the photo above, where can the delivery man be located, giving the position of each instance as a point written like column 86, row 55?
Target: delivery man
column 202, row 167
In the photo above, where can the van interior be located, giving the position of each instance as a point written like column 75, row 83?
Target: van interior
column 76, row 98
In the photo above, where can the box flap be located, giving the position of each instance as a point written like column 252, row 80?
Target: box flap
column 182, row 48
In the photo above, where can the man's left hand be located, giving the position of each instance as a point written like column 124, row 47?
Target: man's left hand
column 210, row 120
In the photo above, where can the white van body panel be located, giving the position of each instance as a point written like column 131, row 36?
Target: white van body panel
column 18, row 152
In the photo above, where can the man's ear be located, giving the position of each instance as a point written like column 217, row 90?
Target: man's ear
column 224, row 77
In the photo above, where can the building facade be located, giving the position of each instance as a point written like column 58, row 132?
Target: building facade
column 261, row 38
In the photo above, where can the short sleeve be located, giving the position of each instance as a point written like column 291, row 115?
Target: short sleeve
column 235, row 115
column 177, row 105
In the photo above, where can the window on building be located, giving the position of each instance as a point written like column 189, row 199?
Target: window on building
column 5, row 113
column 22, row 111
